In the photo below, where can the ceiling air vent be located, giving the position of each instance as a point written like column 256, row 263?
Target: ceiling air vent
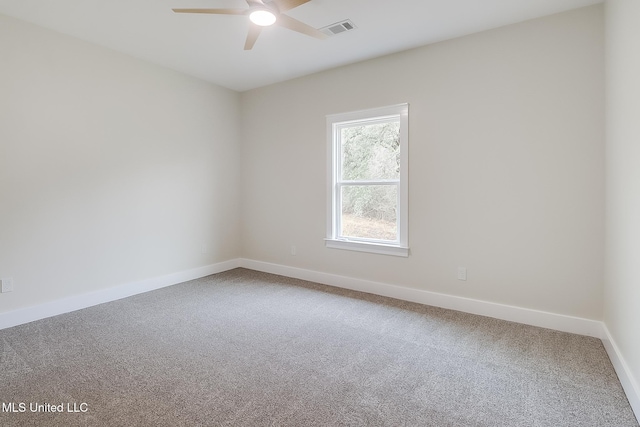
column 338, row 27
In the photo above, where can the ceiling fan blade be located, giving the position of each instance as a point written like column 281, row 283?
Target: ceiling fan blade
column 295, row 25
column 284, row 5
column 213, row 11
column 254, row 32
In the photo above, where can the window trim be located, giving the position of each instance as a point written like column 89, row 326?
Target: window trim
column 334, row 123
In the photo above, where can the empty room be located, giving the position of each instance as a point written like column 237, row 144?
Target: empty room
column 319, row 213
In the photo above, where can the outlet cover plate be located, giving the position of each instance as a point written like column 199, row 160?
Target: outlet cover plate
column 7, row 285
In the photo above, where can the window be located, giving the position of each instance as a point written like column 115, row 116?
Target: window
column 368, row 195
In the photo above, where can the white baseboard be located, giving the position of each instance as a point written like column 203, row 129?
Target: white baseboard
column 629, row 384
column 484, row 308
column 77, row 302
column 559, row 322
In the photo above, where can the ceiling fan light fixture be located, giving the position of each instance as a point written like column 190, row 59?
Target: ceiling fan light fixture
column 262, row 17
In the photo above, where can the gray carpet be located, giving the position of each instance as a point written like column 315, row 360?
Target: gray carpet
column 243, row 348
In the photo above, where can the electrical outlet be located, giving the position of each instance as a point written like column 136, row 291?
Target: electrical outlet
column 204, row 248
column 7, row 285
column 294, row 250
column 462, row 273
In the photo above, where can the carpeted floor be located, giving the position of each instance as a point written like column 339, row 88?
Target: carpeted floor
column 243, row 348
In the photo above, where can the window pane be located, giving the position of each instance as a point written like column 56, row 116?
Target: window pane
column 371, row 151
column 369, row 211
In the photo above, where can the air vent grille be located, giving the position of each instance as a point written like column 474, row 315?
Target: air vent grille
column 338, row 27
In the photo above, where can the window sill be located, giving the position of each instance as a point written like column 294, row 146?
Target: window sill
column 376, row 248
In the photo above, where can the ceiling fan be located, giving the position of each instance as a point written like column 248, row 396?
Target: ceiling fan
column 263, row 13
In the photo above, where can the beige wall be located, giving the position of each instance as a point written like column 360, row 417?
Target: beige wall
column 111, row 169
column 622, row 288
column 114, row 170
column 506, row 173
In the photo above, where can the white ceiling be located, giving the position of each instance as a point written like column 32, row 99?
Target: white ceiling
column 211, row 46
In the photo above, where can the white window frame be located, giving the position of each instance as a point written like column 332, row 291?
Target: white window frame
column 335, row 122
